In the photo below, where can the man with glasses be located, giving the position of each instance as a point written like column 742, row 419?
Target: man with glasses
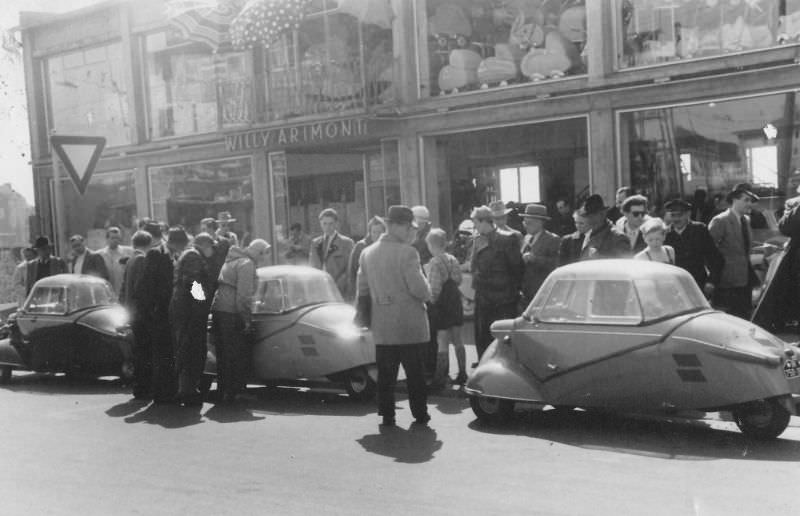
column 634, row 214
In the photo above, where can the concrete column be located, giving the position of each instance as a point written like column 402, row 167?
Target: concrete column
column 409, row 170
column 602, row 151
column 262, row 195
column 600, row 39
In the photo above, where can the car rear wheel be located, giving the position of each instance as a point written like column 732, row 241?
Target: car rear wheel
column 494, row 411
column 763, row 419
column 126, row 371
column 359, row 385
column 5, row 374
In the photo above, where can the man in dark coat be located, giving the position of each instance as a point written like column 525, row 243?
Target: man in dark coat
column 142, row 361
column 44, row 265
column 601, row 239
column 634, row 215
column 152, row 293
column 192, row 292
column 694, row 248
column 422, row 218
column 496, row 268
column 569, row 250
column 562, row 222
column 86, row 261
column 539, row 250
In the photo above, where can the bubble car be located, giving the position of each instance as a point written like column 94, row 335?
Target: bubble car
column 636, row 337
column 304, row 333
column 69, row 323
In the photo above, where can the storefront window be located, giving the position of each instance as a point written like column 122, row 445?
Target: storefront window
column 186, row 194
column 110, row 200
column 88, row 94
column 194, row 91
column 543, row 162
column 478, row 44
column 700, row 151
column 659, row 31
column 337, row 61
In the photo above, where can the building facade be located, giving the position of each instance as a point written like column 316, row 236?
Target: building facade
column 14, row 218
column 448, row 103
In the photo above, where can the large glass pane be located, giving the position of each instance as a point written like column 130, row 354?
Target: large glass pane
column 110, row 200
column 337, row 61
column 477, row 44
column 659, row 31
column 191, row 90
column 700, row 151
column 88, row 94
column 186, row 194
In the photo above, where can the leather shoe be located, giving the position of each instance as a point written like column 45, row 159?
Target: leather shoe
column 423, row 420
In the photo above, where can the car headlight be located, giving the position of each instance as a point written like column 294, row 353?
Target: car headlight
column 347, row 331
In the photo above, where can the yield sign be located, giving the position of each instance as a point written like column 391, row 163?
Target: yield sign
column 79, row 154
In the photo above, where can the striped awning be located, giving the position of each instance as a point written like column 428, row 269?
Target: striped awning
column 204, row 21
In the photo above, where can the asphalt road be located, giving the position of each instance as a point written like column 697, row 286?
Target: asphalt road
column 85, row 448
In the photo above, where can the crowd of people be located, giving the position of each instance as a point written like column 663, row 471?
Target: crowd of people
column 403, row 276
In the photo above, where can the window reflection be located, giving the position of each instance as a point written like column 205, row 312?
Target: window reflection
column 87, row 93
column 186, row 194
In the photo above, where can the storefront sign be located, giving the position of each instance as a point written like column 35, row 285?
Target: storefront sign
column 318, row 132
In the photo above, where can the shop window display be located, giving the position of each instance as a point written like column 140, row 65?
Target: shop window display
column 185, row 194
column 110, row 200
column 335, row 62
column 480, row 44
column 658, row 31
column 192, row 90
column 700, row 151
column 88, row 94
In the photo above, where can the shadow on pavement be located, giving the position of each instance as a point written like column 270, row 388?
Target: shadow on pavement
column 293, row 401
column 49, row 383
column 126, row 409
column 167, row 416
column 416, row 445
column 235, row 413
column 676, row 439
column 452, row 402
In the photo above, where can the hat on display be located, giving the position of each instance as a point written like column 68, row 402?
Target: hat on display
column 41, row 242
column 592, row 205
column 154, row 228
column 224, row 217
column 677, row 205
column 535, row 211
column 498, row 209
column 400, row 214
column 741, row 188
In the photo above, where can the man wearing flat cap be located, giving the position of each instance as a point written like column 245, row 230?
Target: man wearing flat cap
column 390, row 276
column 496, row 267
column 600, row 239
column 695, row 250
column 44, row 265
column 730, row 231
column 539, row 250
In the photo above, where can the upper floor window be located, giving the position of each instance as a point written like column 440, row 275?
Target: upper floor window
column 659, row 31
column 480, row 44
column 88, row 95
column 192, row 90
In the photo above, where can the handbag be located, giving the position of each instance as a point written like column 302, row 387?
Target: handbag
column 363, row 317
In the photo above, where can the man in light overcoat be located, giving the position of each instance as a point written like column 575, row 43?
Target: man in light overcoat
column 331, row 251
column 390, row 274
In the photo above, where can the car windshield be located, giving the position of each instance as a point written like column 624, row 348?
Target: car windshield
column 47, row 300
column 281, row 294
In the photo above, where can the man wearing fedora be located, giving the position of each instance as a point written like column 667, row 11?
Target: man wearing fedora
column 695, row 250
column 730, row 231
column 500, row 217
column 224, row 221
column 539, row 250
column 496, row 267
column 390, row 274
column 331, row 250
column 601, row 239
column 44, row 265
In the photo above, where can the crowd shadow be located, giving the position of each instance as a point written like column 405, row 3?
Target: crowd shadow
column 59, row 383
column 167, row 416
column 415, row 445
column 657, row 437
column 289, row 401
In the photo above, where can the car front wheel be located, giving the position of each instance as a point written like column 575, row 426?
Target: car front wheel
column 494, row 411
column 5, row 374
column 763, row 419
column 359, row 385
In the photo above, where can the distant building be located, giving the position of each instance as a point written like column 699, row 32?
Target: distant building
column 14, row 216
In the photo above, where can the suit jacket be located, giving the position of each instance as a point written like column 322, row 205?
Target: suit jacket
column 496, row 267
column 606, row 242
column 54, row 266
column 696, row 252
column 545, row 259
column 569, row 250
column 93, row 264
column 726, row 231
column 153, row 291
column 334, row 262
column 390, row 273
column 133, row 273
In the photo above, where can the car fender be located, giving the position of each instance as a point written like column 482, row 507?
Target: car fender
column 9, row 355
column 498, row 376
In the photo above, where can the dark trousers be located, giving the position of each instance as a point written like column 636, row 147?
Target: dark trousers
column 389, row 358
column 190, row 354
column 231, row 357
column 736, row 301
column 485, row 314
column 162, row 354
column 142, row 361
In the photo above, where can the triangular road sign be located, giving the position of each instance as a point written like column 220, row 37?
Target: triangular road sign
column 79, row 154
